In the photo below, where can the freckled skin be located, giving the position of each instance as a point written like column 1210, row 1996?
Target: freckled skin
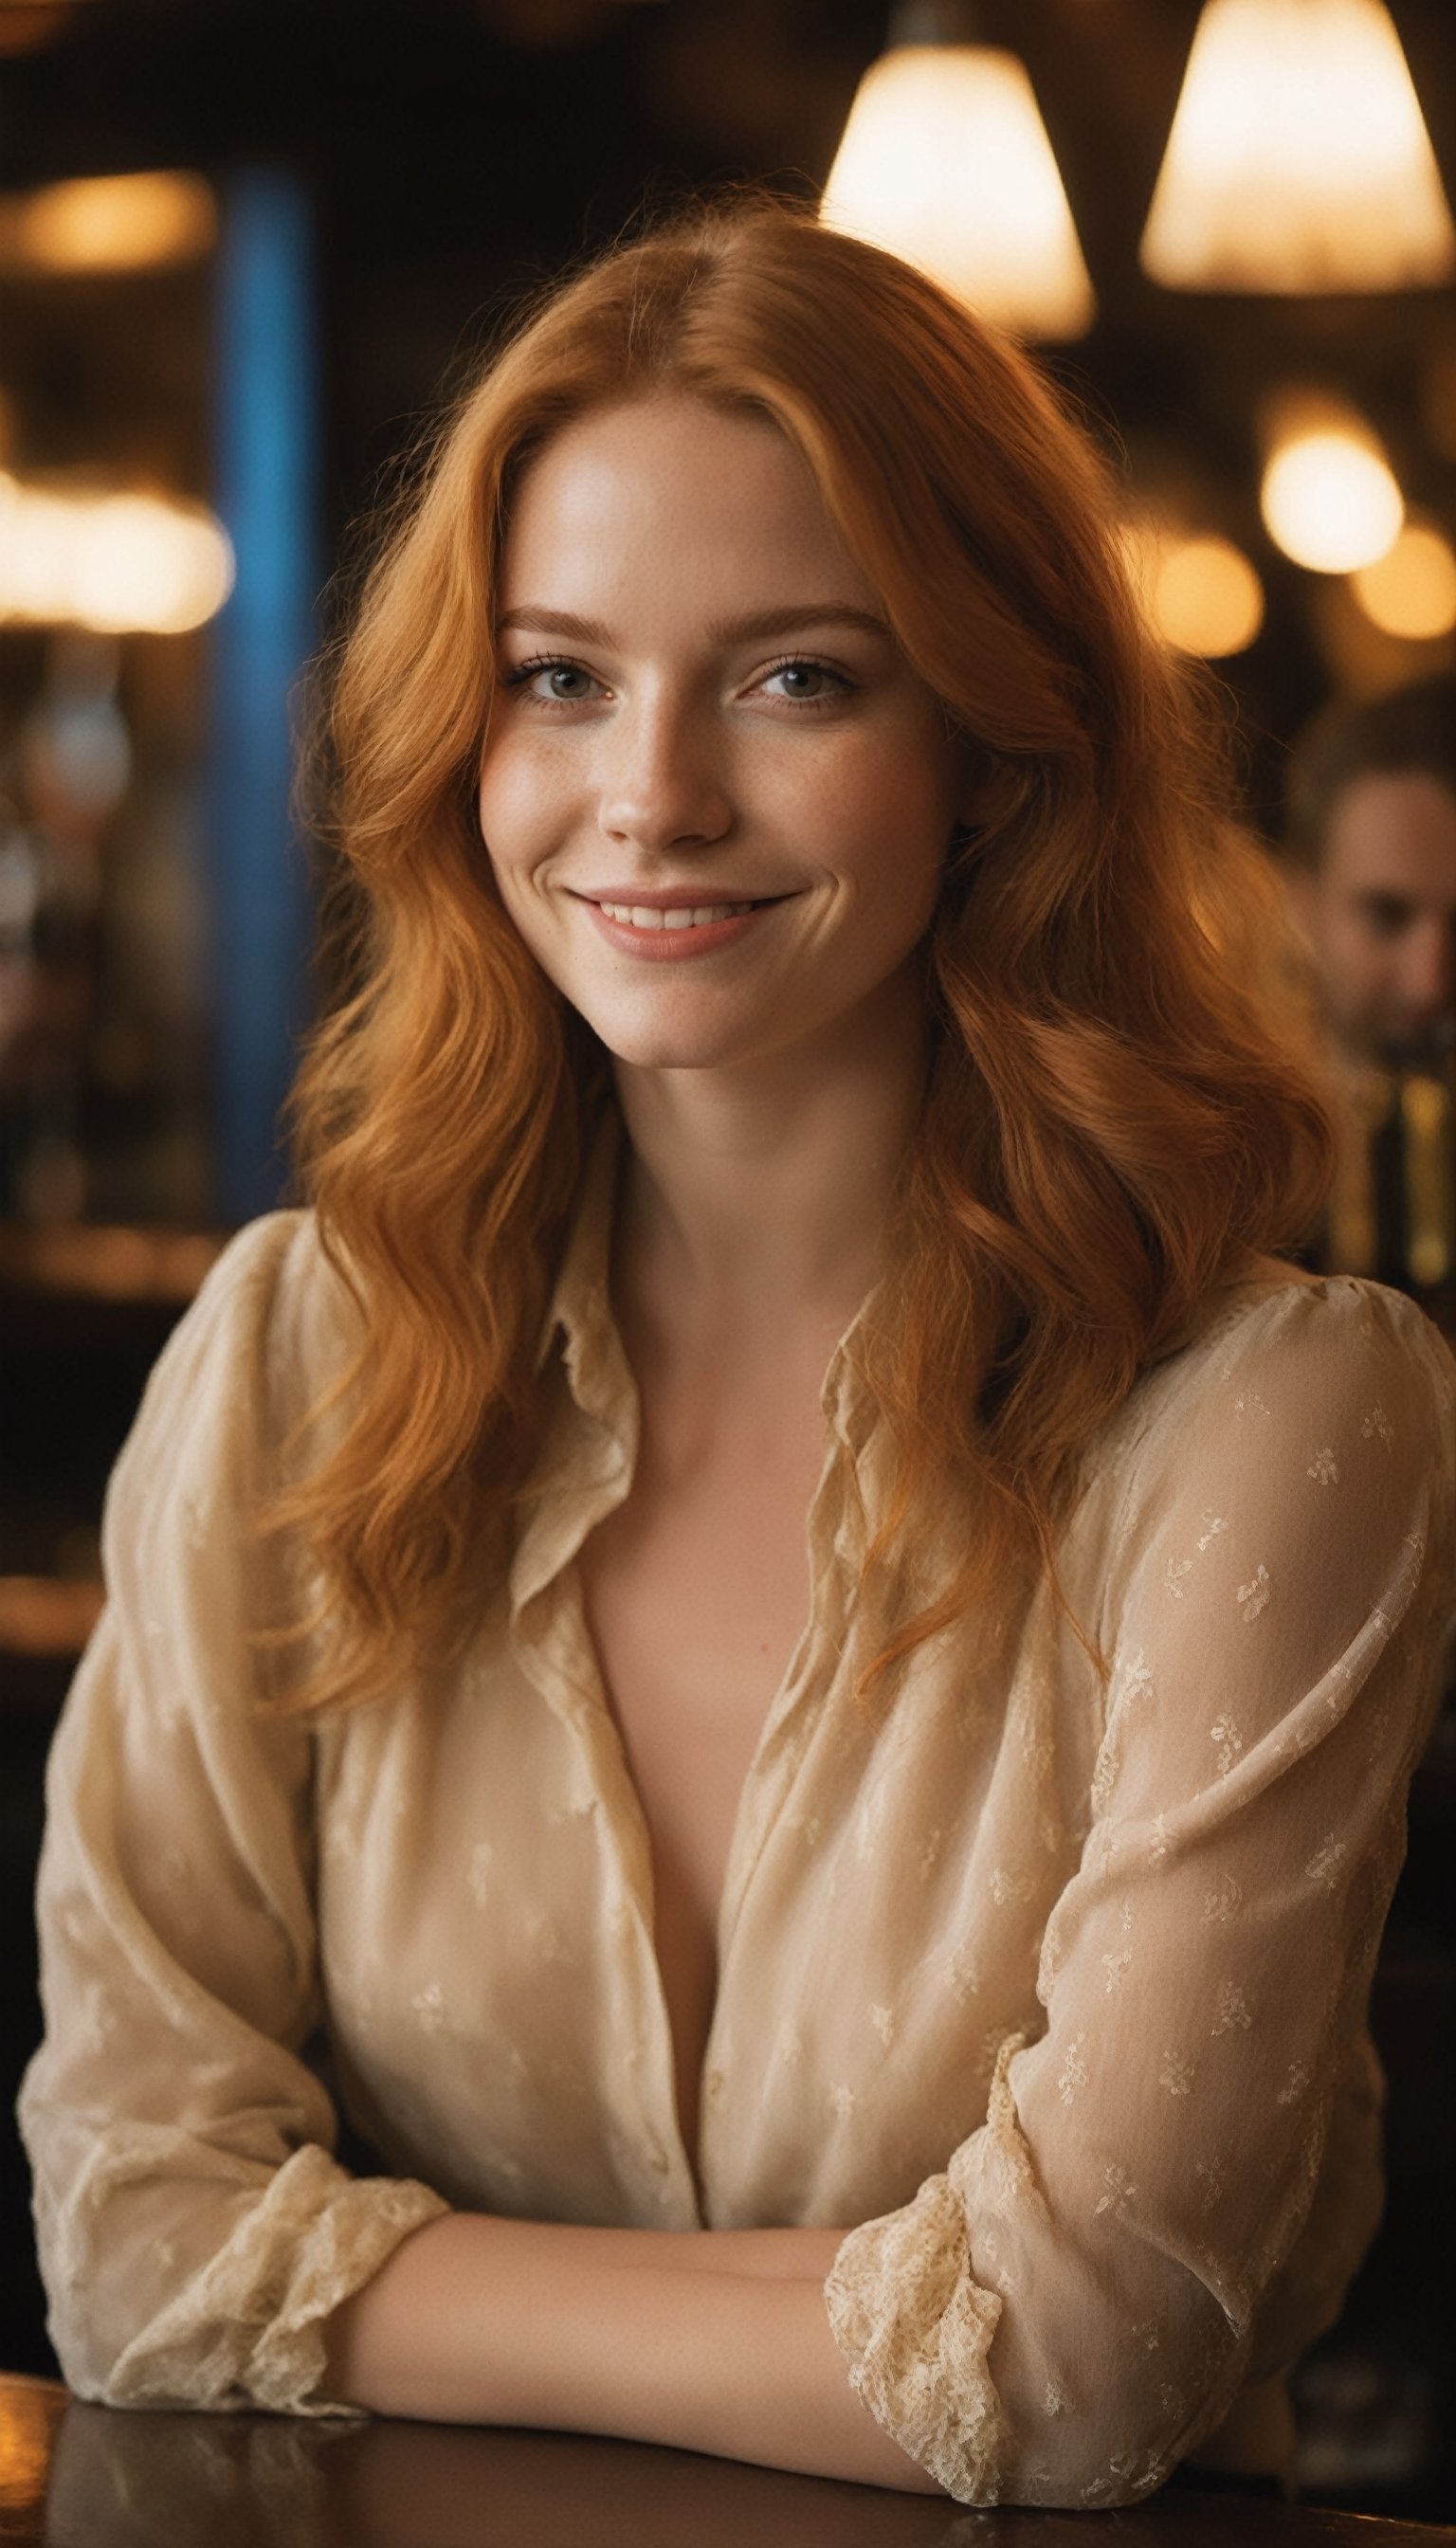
column 680, row 749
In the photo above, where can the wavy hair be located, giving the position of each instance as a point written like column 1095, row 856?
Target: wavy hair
column 1110, row 1127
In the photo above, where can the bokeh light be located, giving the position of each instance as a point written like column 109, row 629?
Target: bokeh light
column 109, row 225
column 1411, row 592
column 1201, row 592
column 111, row 561
column 1329, row 497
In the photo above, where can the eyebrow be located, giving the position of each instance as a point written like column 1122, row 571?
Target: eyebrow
column 535, row 619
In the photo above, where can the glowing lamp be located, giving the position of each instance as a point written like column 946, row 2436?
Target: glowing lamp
column 1202, row 595
column 1411, row 592
column 1328, row 497
column 1206, row 598
column 113, row 562
column 946, row 161
column 109, row 225
column 1299, row 159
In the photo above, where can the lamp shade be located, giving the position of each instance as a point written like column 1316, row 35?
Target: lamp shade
column 945, row 160
column 1298, row 160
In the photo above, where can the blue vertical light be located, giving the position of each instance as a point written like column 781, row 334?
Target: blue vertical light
column 265, row 440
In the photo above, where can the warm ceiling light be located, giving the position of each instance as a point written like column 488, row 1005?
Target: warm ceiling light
column 107, row 225
column 945, row 160
column 1206, row 598
column 143, row 563
column 1411, row 592
column 115, row 563
column 1202, row 595
column 1329, row 497
column 1298, row 160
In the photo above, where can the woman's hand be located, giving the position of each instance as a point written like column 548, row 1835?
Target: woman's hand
column 712, row 2340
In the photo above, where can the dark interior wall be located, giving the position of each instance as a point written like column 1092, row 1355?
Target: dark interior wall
column 458, row 152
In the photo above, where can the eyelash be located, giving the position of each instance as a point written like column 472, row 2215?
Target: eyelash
column 838, row 684
column 521, row 676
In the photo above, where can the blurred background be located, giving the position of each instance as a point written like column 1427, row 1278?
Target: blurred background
column 244, row 244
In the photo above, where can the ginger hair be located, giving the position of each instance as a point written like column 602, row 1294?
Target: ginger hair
column 1111, row 1128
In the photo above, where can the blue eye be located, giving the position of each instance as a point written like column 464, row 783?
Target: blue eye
column 552, row 677
column 804, row 681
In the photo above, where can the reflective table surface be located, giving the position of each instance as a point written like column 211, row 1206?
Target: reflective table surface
column 90, row 2477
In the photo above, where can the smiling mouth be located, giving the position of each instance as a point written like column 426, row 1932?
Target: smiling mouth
column 698, row 915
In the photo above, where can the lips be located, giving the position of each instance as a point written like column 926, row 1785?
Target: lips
column 667, row 924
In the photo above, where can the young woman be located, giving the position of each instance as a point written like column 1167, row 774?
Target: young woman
column 772, row 1621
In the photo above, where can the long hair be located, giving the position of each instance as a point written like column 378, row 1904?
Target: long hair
column 1110, row 1128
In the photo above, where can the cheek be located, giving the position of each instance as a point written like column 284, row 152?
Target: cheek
column 1365, row 957
column 503, row 808
column 904, row 840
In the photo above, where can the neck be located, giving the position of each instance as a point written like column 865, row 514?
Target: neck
column 762, row 1193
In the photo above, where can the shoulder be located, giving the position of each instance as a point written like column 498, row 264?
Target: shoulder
column 272, row 1287
column 269, row 1329
column 1286, row 1351
column 1307, row 1426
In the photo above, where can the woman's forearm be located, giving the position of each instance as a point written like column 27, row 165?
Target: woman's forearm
column 712, row 2341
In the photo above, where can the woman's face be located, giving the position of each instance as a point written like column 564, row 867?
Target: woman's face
column 715, row 798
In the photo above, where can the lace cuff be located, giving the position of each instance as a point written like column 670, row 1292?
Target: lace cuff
column 915, row 2331
column 247, row 2329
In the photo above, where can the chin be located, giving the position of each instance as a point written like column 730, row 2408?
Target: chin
column 666, row 1044
column 640, row 1052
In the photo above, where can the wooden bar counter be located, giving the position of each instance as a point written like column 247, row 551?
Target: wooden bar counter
column 90, row 2477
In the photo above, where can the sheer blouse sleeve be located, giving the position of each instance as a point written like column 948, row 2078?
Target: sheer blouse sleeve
column 194, row 2228
column 1072, row 2304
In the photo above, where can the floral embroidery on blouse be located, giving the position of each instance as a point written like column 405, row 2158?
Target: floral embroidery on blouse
column 1058, row 1990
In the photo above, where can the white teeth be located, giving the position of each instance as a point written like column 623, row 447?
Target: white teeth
column 636, row 915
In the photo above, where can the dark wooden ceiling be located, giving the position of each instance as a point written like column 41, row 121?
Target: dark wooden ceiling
column 456, row 149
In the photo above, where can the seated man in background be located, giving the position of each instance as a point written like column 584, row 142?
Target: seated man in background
column 1371, row 843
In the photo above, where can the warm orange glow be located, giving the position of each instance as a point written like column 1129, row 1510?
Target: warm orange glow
column 1329, row 497
column 1298, row 160
column 38, row 1616
column 100, row 1263
column 109, row 225
column 1411, row 592
column 1201, row 592
column 1206, row 598
column 109, row 561
column 946, row 161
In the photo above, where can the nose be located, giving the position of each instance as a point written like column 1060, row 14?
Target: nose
column 664, row 784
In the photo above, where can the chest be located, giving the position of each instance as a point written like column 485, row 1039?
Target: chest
column 696, row 1592
column 532, row 2015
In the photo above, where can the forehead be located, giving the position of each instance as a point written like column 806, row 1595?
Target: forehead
column 626, row 489
column 1394, row 832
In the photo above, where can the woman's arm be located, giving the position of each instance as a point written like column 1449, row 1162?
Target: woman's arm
column 200, row 2241
column 711, row 2340
column 1174, row 2181
column 193, row 2227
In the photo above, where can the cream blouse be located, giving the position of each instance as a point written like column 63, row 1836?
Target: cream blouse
column 1051, row 1993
